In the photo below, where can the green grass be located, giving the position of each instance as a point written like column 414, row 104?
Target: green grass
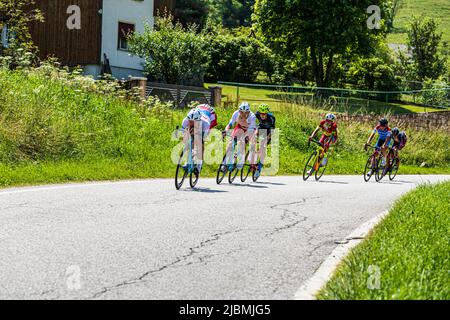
column 57, row 128
column 410, row 248
column 436, row 9
column 337, row 104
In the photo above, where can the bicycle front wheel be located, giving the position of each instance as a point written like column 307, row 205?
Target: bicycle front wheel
column 309, row 167
column 232, row 175
column 180, row 173
column 370, row 166
column 244, row 171
column 222, row 171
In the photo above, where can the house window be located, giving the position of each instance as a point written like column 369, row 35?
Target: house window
column 4, row 36
column 125, row 29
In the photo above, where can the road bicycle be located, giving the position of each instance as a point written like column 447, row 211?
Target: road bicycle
column 186, row 164
column 245, row 172
column 373, row 164
column 229, row 163
column 314, row 163
column 391, row 166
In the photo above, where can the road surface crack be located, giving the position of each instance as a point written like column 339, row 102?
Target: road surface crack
column 293, row 217
column 193, row 252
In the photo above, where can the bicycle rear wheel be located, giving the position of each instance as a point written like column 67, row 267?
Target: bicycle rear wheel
column 244, row 171
column 379, row 170
column 193, row 177
column 394, row 169
column 180, row 173
column 232, row 175
column 320, row 171
column 309, row 165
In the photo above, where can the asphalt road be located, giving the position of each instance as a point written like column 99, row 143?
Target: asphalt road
column 145, row 240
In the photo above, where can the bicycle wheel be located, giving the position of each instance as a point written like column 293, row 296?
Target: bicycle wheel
column 232, row 175
column 221, row 171
column 309, row 165
column 379, row 170
column 180, row 173
column 193, row 177
column 244, row 171
column 394, row 169
column 320, row 171
column 369, row 167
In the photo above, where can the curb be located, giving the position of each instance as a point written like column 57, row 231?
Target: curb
column 312, row 286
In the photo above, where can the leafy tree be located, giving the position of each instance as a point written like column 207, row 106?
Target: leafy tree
column 321, row 29
column 234, row 13
column 423, row 42
column 172, row 53
column 17, row 15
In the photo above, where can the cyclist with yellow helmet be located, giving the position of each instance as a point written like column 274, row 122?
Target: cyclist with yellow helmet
column 266, row 124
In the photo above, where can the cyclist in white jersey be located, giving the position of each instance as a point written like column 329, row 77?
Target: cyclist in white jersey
column 245, row 122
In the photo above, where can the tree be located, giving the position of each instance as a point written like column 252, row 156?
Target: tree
column 423, row 42
column 321, row 28
column 192, row 12
column 17, row 15
column 172, row 53
column 234, row 13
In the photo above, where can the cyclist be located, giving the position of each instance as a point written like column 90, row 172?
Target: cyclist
column 245, row 128
column 197, row 125
column 266, row 123
column 399, row 139
column 384, row 132
column 329, row 136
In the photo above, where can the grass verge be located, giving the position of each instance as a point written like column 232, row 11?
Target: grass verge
column 409, row 248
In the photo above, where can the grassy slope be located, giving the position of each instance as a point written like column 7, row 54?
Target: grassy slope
column 410, row 248
column 437, row 9
column 52, row 132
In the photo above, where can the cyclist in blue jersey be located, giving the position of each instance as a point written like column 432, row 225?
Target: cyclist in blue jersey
column 384, row 132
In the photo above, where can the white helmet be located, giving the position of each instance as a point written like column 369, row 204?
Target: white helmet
column 195, row 115
column 330, row 117
column 244, row 107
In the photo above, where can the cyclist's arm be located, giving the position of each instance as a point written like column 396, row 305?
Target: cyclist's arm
column 314, row 133
column 371, row 137
column 232, row 121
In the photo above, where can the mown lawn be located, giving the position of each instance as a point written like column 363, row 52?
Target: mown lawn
column 437, row 9
column 350, row 105
column 406, row 256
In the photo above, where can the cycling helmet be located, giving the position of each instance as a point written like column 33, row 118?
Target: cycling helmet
column 330, row 117
column 395, row 131
column 244, row 107
column 264, row 108
column 383, row 122
column 195, row 115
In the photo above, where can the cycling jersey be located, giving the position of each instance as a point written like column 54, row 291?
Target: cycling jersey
column 205, row 123
column 204, row 109
column 245, row 124
column 382, row 134
column 329, row 128
column 268, row 123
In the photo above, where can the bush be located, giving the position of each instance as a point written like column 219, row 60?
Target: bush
column 436, row 93
column 173, row 54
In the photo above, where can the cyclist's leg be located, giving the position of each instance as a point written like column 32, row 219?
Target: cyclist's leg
column 263, row 147
column 240, row 134
column 252, row 147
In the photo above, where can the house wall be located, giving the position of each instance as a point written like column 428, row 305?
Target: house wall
column 128, row 11
column 72, row 47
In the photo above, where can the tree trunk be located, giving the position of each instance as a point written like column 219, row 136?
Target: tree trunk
column 329, row 68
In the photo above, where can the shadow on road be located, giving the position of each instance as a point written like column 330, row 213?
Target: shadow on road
column 205, row 190
column 271, row 183
column 338, row 182
column 249, row 185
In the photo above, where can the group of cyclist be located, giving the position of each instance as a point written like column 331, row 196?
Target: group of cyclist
column 247, row 127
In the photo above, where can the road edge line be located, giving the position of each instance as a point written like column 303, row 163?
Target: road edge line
column 323, row 274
